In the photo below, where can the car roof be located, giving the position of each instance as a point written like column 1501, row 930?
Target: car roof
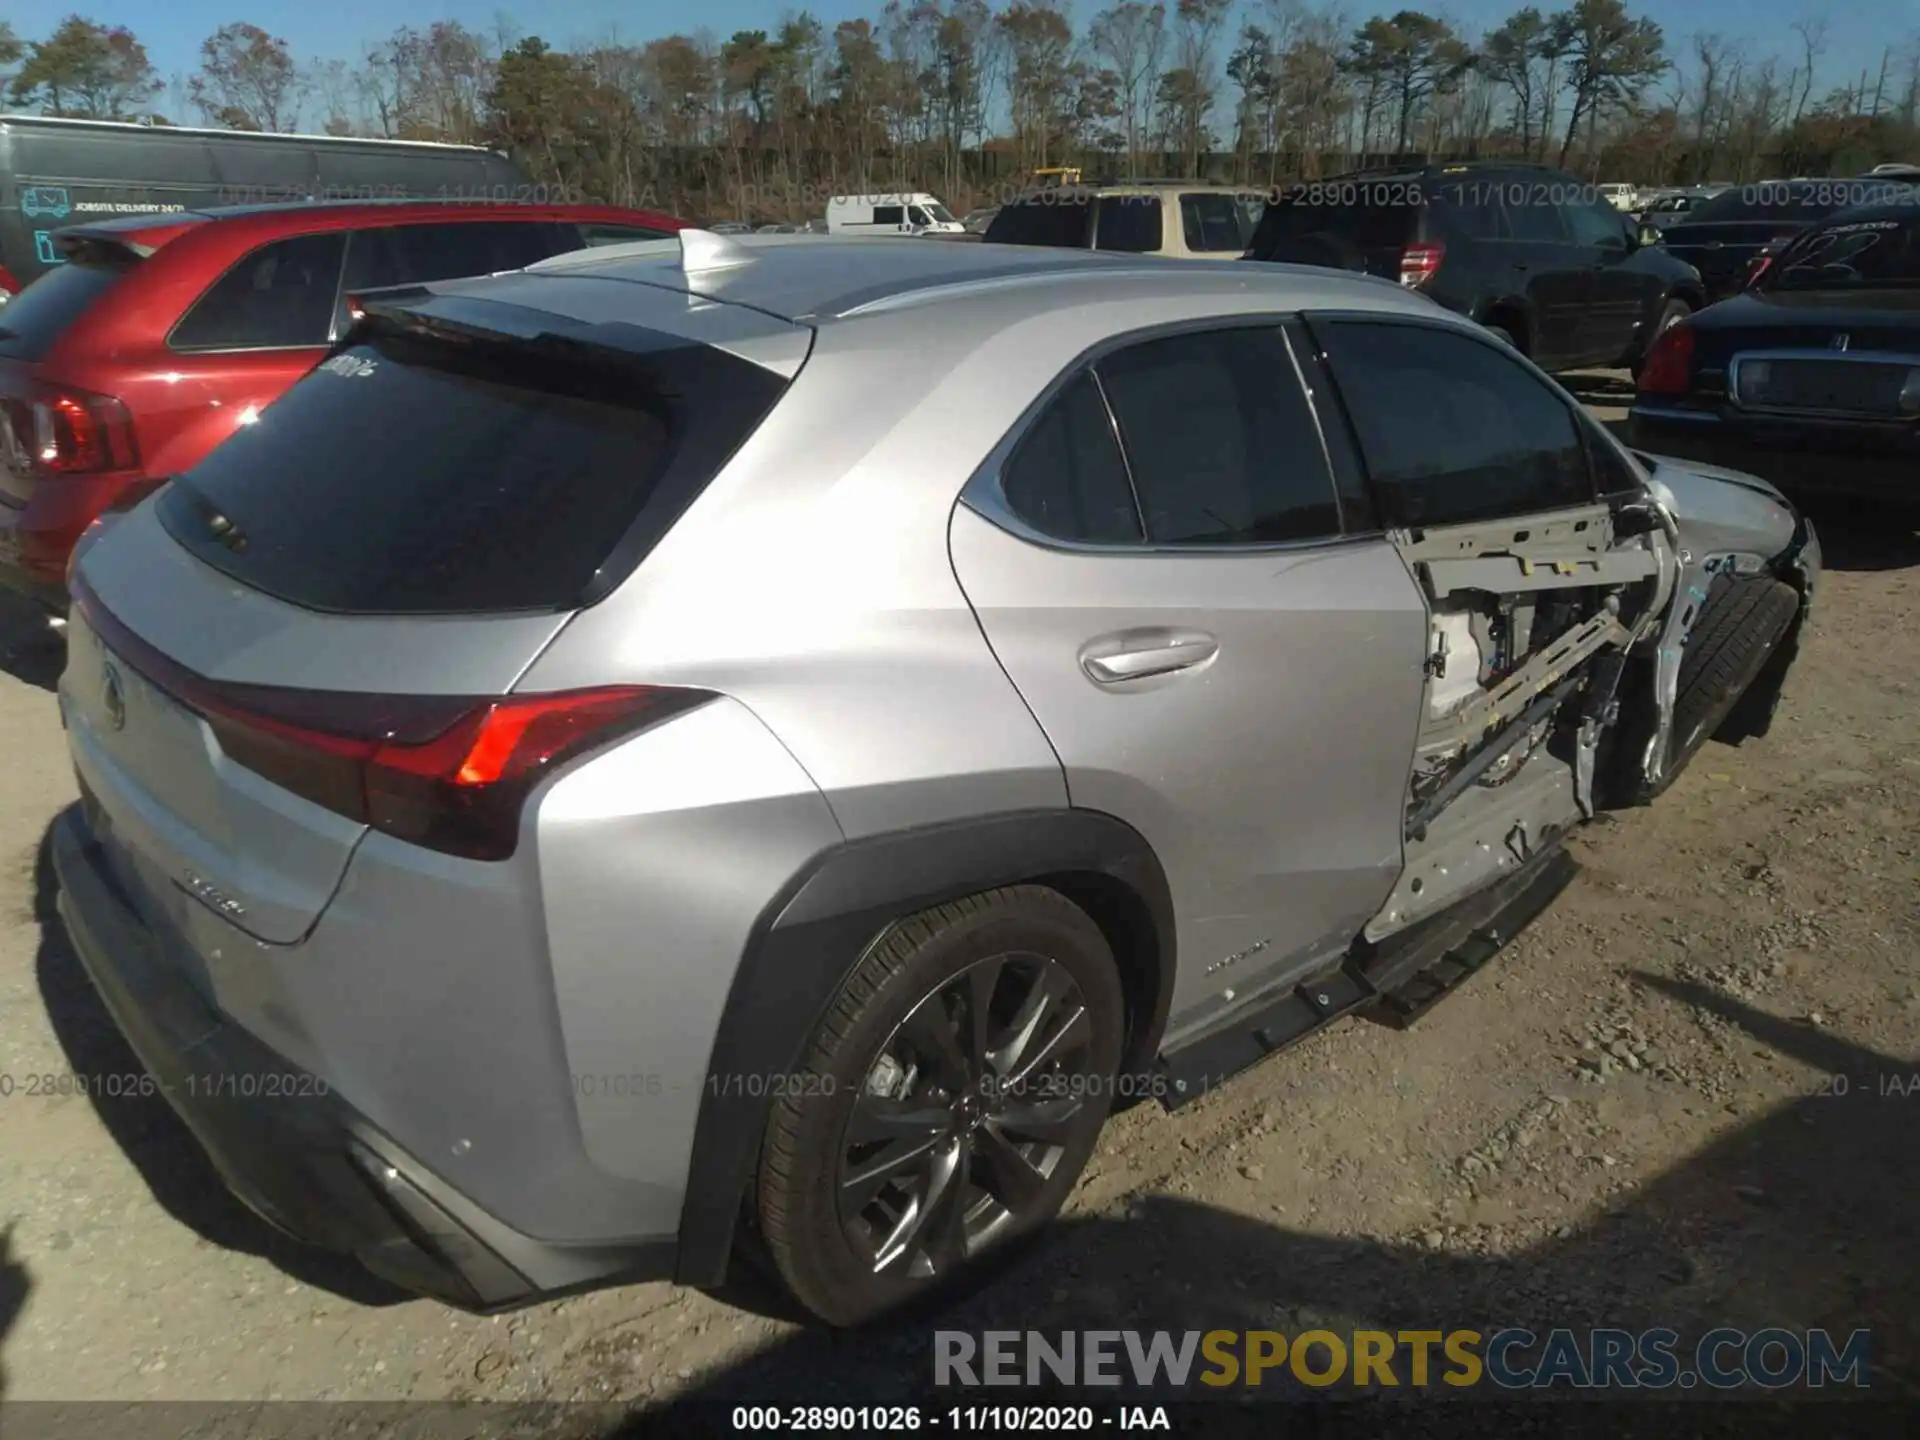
column 149, row 232
column 51, row 122
column 1908, row 209
column 813, row 280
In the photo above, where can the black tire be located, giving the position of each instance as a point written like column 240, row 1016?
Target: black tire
column 874, row 1027
column 1675, row 312
column 1741, row 623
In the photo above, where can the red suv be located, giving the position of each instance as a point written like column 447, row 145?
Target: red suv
column 162, row 333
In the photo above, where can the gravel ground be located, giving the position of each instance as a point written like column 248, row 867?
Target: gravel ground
column 1635, row 1116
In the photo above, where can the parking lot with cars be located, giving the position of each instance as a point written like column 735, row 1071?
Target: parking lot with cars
column 519, row 909
column 1682, row 1096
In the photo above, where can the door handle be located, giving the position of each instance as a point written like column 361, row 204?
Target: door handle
column 1520, row 267
column 1138, row 656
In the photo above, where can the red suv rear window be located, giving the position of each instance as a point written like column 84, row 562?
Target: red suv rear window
column 39, row 315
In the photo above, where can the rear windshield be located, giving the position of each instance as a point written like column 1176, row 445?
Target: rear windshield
column 1063, row 220
column 1129, row 223
column 1316, row 230
column 1881, row 253
column 410, row 474
column 39, row 315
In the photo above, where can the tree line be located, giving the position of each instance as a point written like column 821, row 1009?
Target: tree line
column 967, row 100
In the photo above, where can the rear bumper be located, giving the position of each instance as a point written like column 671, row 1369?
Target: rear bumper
column 50, row 596
column 289, row 1148
column 1863, row 462
column 37, row 537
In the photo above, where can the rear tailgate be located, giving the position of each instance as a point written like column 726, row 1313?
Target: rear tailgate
column 409, row 525
column 211, row 827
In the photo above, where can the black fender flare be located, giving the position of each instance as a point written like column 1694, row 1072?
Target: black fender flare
column 820, row 927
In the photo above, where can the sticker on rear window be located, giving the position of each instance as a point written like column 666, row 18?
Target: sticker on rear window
column 353, row 367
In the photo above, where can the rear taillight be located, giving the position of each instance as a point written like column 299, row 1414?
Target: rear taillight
column 1420, row 262
column 1668, row 368
column 76, row 432
column 448, row 773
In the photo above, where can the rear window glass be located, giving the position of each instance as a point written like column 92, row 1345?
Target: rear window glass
column 1214, row 222
column 39, row 315
column 415, row 475
column 1309, row 230
column 1044, row 220
column 1129, row 224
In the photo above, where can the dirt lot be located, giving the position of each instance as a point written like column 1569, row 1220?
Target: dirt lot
column 1677, row 1100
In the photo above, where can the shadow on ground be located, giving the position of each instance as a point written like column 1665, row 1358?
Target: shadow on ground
column 15, row 1285
column 31, row 650
column 161, row 1148
column 1802, row 1219
column 1859, row 535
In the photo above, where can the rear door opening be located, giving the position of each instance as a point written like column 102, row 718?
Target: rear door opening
column 317, row 630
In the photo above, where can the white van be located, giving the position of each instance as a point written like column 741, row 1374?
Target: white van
column 890, row 215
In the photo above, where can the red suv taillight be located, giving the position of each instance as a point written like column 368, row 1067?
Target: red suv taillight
column 1668, row 368
column 445, row 772
column 1420, row 262
column 76, row 432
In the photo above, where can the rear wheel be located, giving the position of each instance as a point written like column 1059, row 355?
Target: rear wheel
column 948, row 1103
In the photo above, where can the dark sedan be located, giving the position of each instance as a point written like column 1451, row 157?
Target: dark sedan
column 1811, row 377
column 1730, row 236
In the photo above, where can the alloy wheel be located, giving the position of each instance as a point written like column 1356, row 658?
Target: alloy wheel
column 965, row 1115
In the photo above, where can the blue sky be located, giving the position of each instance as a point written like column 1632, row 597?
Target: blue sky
column 173, row 29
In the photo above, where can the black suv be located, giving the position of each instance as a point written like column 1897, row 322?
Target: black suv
column 1526, row 250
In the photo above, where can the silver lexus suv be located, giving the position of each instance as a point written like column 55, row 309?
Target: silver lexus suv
column 759, row 745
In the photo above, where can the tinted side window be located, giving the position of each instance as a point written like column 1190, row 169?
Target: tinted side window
column 1062, row 222
column 1128, row 223
column 888, row 214
column 1454, row 429
column 281, row 295
column 448, row 252
column 1530, row 217
column 1595, row 225
column 1474, row 216
column 1222, row 446
column 1067, row 479
column 1212, row 222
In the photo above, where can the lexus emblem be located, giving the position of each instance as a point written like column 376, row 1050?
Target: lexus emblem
column 1842, row 340
column 114, row 699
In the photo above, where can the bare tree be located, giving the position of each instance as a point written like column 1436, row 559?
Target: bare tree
column 1131, row 36
column 1813, row 44
column 247, row 80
